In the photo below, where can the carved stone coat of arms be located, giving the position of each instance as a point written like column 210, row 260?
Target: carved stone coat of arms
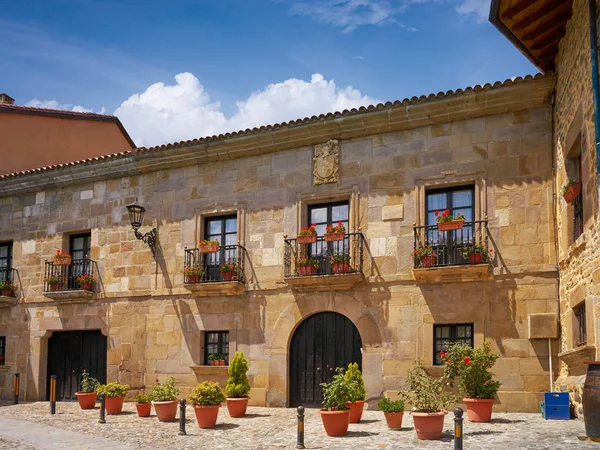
column 326, row 162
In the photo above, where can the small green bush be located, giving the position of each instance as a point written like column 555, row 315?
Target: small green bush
column 142, row 398
column 113, row 389
column 207, row 394
column 165, row 392
column 339, row 392
column 426, row 393
column 390, row 406
column 88, row 384
column 237, row 384
column 354, row 375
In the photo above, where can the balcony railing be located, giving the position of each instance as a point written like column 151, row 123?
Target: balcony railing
column 327, row 258
column 206, row 267
column 61, row 278
column 12, row 276
column 435, row 248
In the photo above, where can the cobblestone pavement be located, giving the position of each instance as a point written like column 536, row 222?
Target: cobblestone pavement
column 275, row 428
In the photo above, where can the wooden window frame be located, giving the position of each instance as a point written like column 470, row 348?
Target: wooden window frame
column 453, row 338
column 222, row 347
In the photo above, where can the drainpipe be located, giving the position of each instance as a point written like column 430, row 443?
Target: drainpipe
column 595, row 87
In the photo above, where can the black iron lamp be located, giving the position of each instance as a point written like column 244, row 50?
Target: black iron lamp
column 136, row 217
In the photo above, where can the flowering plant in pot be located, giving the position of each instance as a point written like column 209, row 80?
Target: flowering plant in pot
column 206, row 246
column 62, row 258
column 475, row 381
column 305, row 265
column 571, row 190
column 238, row 387
column 446, row 221
column 115, row 394
column 477, row 253
column 307, row 235
column 340, row 263
column 206, row 398
column 164, row 399
column 357, row 402
column 87, row 395
column 86, row 282
column 193, row 274
column 7, row 288
column 335, row 233
column 143, row 404
column 425, row 256
column 212, row 359
column 336, row 396
column 393, row 411
column 430, row 398
column 56, row 282
column 230, row 271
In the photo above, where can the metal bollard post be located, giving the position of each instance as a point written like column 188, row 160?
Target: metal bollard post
column 300, row 439
column 102, row 408
column 16, row 387
column 458, row 429
column 182, row 417
column 53, row 394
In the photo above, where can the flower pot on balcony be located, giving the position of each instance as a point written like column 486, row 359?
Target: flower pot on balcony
column 86, row 285
column 194, row 279
column 341, row 267
column 338, row 236
column 306, row 270
column 56, row 287
column 307, row 239
column 7, row 292
column 452, row 225
column 209, row 248
column 475, row 258
column 572, row 192
column 62, row 261
column 228, row 276
column 428, row 261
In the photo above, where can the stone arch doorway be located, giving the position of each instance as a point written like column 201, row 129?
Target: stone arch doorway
column 321, row 343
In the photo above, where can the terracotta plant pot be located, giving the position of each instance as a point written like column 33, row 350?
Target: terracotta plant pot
column 429, row 426
column 7, row 292
column 572, row 192
column 193, row 278
column 335, row 422
column 86, row 400
column 356, row 410
column 166, row 411
column 210, row 248
column 221, row 362
column 86, row 286
column 330, row 237
column 143, row 409
column 306, row 270
column 114, row 405
column 475, row 258
column 479, row 409
column 237, row 406
column 56, row 287
column 62, row 261
column 428, row 261
column 341, row 267
column 394, row 420
column 211, row 362
column 307, row 239
column 452, row 225
column 206, row 416
column 228, row 276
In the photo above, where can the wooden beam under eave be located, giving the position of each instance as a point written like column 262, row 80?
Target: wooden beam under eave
column 519, row 7
column 551, row 39
column 548, row 53
column 551, row 26
column 552, row 7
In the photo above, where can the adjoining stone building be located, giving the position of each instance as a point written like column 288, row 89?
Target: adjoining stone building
column 382, row 171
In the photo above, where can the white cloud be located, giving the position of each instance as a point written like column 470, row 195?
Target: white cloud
column 53, row 104
column 164, row 113
column 480, row 9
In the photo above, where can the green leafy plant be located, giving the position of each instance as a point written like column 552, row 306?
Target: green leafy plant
column 476, row 249
column 308, row 231
column 113, row 389
column 422, row 251
column 447, row 217
column 213, row 357
column 62, row 255
column 390, row 406
column 55, row 279
column 165, row 392
column 426, row 393
column 142, row 398
column 307, row 261
column 203, row 242
column 237, row 384
column 339, row 258
column 340, row 228
column 86, row 278
column 472, row 368
column 229, row 267
column 6, row 284
column 353, row 375
column 206, row 394
column 88, row 383
column 566, row 187
column 338, row 392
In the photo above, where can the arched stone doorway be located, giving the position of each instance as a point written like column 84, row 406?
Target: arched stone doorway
column 321, row 343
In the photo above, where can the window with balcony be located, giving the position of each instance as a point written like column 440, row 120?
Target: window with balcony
column 216, row 347
column 446, row 335
column 9, row 276
column 580, row 325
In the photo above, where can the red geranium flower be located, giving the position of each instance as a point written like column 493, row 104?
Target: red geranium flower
column 437, row 213
column 467, row 360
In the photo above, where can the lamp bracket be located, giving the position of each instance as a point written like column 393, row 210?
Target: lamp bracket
column 148, row 238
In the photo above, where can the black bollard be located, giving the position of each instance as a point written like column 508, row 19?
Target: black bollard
column 53, row 394
column 458, row 429
column 182, row 417
column 300, row 440
column 16, row 387
column 102, row 408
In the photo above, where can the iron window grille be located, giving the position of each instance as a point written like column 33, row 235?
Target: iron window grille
column 2, row 350
column 446, row 335
column 580, row 331
column 216, row 343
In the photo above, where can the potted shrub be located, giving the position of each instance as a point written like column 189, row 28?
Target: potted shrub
column 193, row 274
column 206, row 246
column 143, row 404
column 357, row 403
column 115, row 394
column 56, row 282
column 220, row 360
column 477, row 253
column 429, row 397
column 229, row 271
column 164, row 399
column 305, row 265
column 475, row 381
column 87, row 396
column 335, row 233
column 425, row 256
column 446, row 222
column 206, row 398
column 7, row 288
column 307, row 235
column 340, row 263
column 336, row 396
column 86, row 282
column 393, row 410
column 237, row 387
column 212, row 359
column 62, row 258
column 571, row 190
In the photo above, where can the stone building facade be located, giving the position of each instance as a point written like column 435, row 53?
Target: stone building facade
column 381, row 167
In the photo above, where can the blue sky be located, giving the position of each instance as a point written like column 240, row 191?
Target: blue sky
column 245, row 62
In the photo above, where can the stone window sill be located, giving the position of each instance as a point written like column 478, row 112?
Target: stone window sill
column 6, row 301
column 453, row 274
column 210, row 370
column 334, row 282
column 217, row 288
column 577, row 356
column 574, row 249
column 70, row 296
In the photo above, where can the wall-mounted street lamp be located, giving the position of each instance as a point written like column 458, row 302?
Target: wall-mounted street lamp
column 136, row 216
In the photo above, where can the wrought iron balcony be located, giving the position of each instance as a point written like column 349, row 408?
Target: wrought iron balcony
column 577, row 216
column 225, row 265
column 466, row 246
column 9, row 277
column 71, row 280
